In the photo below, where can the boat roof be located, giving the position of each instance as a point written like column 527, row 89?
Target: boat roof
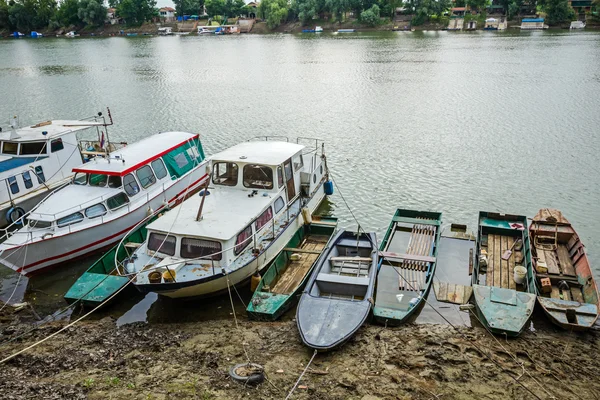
column 265, row 152
column 225, row 213
column 532, row 20
column 137, row 154
column 54, row 128
column 70, row 199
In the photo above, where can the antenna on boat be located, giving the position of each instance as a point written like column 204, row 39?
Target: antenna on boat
column 204, row 193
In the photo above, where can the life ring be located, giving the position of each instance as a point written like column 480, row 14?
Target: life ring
column 14, row 214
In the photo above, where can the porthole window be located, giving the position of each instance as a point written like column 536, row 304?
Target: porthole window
column 321, row 169
column 279, row 203
column 70, row 219
column 27, row 180
column 314, row 178
column 117, row 201
column 95, row 211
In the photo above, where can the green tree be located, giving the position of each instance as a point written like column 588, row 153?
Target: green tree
column 558, row 11
column 67, row 13
column 21, row 16
column 188, row 7
column 274, row 11
column 45, row 13
column 371, row 16
column 4, row 15
column 233, row 8
column 136, row 12
column 423, row 9
column 478, row 5
column 215, row 7
column 92, row 12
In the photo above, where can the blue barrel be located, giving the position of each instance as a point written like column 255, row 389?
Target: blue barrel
column 328, row 188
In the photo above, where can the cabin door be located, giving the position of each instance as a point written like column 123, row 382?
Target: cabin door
column 289, row 178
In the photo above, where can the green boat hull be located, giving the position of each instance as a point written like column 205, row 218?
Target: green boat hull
column 268, row 306
column 100, row 282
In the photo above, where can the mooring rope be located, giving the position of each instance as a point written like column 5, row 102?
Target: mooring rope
column 301, row 375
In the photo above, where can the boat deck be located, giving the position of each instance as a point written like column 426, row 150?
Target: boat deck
column 560, row 267
column 500, row 272
column 295, row 272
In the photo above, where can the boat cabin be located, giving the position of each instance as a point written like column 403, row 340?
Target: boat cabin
column 533, row 24
column 104, row 186
column 256, row 187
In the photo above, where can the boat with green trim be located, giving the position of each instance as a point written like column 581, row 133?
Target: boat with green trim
column 280, row 286
column 102, row 279
column 504, row 304
column 407, row 265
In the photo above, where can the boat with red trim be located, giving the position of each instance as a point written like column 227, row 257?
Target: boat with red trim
column 262, row 192
column 106, row 198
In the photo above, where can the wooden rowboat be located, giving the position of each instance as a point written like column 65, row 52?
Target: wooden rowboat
column 503, row 305
column 407, row 265
column 567, row 290
column 338, row 296
column 285, row 277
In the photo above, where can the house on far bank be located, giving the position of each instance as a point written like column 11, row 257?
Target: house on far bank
column 167, row 14
column 495, row 8
column 581, row 7
column 459, row 11
column 457, row 19
column 253, row 7
column 111, row 16
column 533, row 24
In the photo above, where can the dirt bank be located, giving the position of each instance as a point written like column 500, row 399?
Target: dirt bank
column 97, row 360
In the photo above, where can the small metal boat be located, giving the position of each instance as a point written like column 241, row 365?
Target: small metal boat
column 408, row 261
column 281, row 284
column 567, row 290
column 338, row 296
column 503, row 300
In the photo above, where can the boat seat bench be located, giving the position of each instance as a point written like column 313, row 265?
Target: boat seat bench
column 340, row 284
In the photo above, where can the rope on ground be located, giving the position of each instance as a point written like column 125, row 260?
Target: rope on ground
column 301, row 375
column 434, row 309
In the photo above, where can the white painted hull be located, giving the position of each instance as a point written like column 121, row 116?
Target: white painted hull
column 35, row 256
column 219, row 285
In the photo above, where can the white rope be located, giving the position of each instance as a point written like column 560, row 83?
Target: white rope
column 18, row 279
column 301, row 375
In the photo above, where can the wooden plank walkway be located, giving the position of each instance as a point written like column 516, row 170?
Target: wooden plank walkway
column 297, row 270
column 412, row 272
column 499, row 271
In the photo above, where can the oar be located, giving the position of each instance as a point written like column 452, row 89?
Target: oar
column 508, row 253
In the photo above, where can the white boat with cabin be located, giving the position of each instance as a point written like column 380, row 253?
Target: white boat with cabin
column 36, row 159
column 106, row 198
column 260, row 195
column 165, row 31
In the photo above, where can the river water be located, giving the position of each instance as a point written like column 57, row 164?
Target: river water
column 451, row 122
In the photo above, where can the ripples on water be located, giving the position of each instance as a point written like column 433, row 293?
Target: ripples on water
column 431, row 120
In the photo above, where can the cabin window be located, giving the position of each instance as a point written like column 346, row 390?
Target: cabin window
column 264, row 218
column 114, row 181
column 258, row 176
column 243, row 240
column 56, row 145
column 117, row 201
column 196, row 248
column 298, row 162
column 225, row 173
column 162, row 243
column 80, row 178
column 39, row 173
column 146, row 176
column 279, row 178
column 27, row 180
column 10, row 148
column 70, row 219
column 98, row 180
column 279, row 203
column 159, row 168
column 34, row 223
column 95, row 211
column 130, row 185
column 13, row 184
column 32, row 148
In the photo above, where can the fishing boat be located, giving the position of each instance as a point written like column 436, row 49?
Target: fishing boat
column 339, row 293
column 408, row 262
column 346, row 30
column 106, row 198
column 503, row 280
column 99, row 284
column 38, row 159
column 567, row 290
column 285, row 277
column 261, row 193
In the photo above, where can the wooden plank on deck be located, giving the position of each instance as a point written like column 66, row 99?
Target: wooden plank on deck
column 497, row 260
column 511, row 267
column 555, row 294
column 489, row 277
column 576, row 294
column 551, row 261
column 505, row 274
column 565, row 261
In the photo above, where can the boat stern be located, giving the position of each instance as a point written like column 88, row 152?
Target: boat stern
column 267, row 306
column 503, row 311
column 571, row 315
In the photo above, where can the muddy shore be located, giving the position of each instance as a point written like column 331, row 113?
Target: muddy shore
column 98, row 360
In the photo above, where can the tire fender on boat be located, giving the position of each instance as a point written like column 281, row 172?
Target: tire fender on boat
column 14, row 214
column 254, row 373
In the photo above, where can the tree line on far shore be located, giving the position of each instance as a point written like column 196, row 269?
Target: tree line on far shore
column 30, row 15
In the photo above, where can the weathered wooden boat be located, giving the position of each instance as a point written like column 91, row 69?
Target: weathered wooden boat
column 338, row 296
column 281, row 284
column 567, row 290
column 503, row 305
column 407, row 265
column 102, row 279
